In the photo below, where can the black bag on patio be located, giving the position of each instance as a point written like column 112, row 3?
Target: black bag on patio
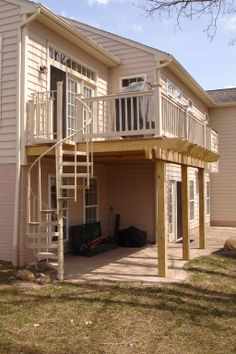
column 132, row 237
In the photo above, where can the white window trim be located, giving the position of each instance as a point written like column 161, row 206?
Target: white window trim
column 191, row 200
column 169, row 82
column 144, row 76
column 175, row 90
column 97, row 205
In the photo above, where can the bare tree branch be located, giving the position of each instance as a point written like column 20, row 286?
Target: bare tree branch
column 213, row 10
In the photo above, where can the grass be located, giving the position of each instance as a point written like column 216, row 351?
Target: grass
column 197, row 316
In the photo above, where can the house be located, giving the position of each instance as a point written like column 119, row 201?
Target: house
column 93, row 125
column 222, row 119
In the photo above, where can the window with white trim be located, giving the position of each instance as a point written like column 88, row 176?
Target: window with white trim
column 68, row 62
column 170, row 88
column 127, row 80
column 91, row 202
column 173, row 91
column 178, row 94
column 171, row 186
column 191, row 199
column 190, row 104
column 207, row 197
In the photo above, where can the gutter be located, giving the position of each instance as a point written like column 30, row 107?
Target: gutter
column 19, row 121
column 157, row 94
column 159, row 67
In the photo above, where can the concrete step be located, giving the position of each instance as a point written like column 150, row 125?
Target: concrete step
column 53, row 265
column 47, row 255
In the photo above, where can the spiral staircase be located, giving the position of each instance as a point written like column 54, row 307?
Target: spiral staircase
column 73, row 168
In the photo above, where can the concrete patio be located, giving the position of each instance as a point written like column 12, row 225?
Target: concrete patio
column 139, row 265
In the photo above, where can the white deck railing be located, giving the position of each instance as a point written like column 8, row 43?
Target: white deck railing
column 41, row 126
column 178, row 121
column 122, row 115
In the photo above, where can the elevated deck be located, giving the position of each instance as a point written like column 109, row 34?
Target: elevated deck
column 173, row 150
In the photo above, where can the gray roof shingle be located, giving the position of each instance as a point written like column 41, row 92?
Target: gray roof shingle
column 227, row 95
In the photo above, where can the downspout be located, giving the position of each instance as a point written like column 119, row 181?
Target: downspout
column 20, row 116
column 157, row 95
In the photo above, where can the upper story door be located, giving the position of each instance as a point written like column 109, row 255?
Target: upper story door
column 71, row 86
column 55, row 76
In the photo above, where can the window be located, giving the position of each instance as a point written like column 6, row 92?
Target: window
column 171, row 186
column 178, row 94
column 63, row 59
column 190, row 104
column 174, row 91
column 191, row 199
column 91, row 202
column 208, row 198
column 170, row 88
column 126, row 81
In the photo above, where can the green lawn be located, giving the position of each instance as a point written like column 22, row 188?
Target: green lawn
column 198, row 316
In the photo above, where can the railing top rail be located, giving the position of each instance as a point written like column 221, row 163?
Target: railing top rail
column 43, row 93
column 119, row 95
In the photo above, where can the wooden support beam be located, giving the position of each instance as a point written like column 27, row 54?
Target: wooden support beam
column 160, row 216
column 185, row 212
column 201, row 187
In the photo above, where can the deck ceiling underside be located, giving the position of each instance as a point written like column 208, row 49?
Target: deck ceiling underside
column 175, row 150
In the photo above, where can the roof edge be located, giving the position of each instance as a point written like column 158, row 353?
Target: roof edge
column 119, row 38
column 105, row 56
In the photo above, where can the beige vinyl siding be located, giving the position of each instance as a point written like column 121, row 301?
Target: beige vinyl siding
column 37, row 54
column 132, row 196
column 7, row 198
column 223, row 184
column 134, row 61
column 9, row 22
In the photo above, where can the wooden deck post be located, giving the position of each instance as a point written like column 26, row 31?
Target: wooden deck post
column 185, row 212
column 160, row 217
column 201, row 185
